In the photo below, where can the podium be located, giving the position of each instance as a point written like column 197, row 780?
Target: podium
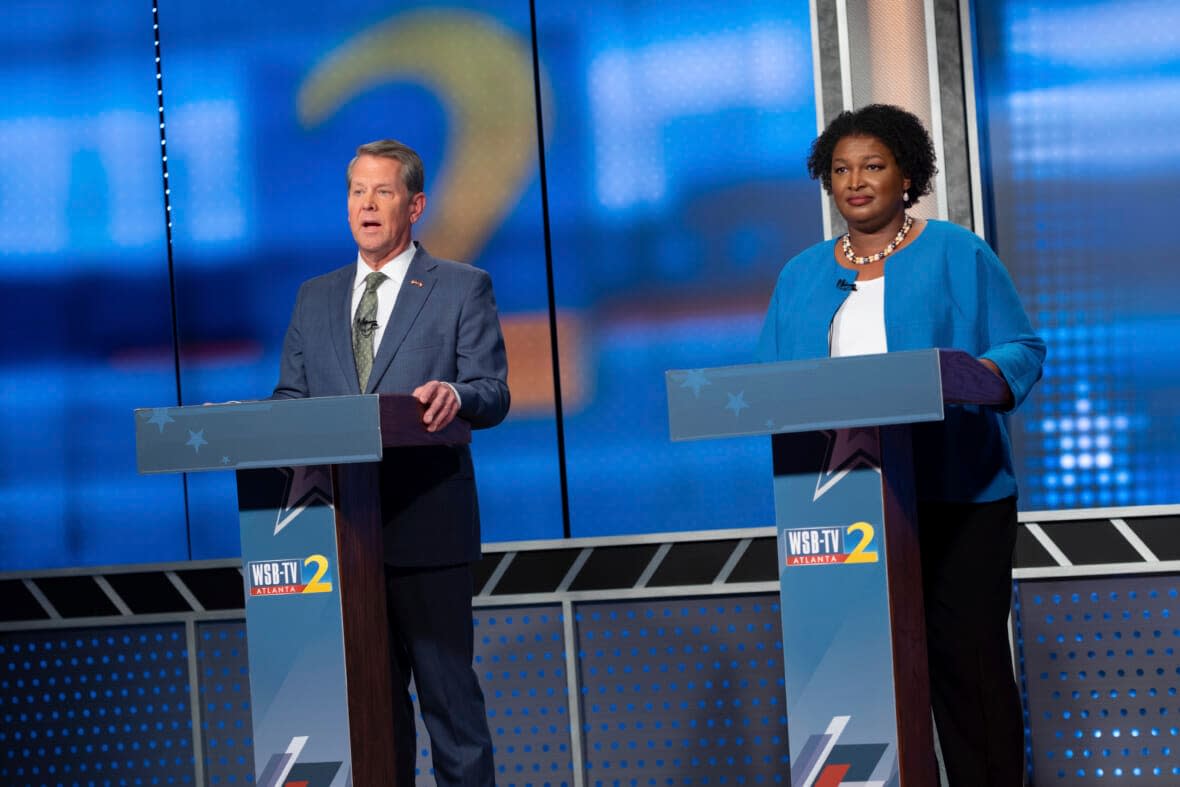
column 312, row 557
column 854, row 639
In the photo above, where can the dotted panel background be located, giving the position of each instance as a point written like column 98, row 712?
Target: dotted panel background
column 520, row 661
column 103, row 706
column 1101, row 673
column 684, row 692
column 224, row 686
column 1080, row 96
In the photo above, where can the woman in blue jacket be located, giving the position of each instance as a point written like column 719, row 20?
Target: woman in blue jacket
column 895, row 282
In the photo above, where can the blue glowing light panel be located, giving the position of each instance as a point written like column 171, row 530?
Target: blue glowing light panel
column 677, row 138
column 1080, row 101
column 86, row 309
column 674, row 149
column 262, row 128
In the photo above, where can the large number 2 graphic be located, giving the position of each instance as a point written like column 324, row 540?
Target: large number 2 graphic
column 483, row 73
column 859, row 555
column 316, row 583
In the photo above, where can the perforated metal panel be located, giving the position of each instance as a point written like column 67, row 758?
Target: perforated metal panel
column 224, row 685
column 520, row 662
column 684, row 691
column 98, row 706
column 1102, row 675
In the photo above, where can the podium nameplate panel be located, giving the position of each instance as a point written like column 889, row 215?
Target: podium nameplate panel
column 272, row 433
column 803, row 396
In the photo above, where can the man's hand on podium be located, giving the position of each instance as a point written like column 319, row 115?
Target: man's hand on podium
column 442, row 404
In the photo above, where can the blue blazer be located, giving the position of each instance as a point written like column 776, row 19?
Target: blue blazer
column 946, row 289
column 446, row 329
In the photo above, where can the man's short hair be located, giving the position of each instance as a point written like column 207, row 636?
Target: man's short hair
column 413, row 173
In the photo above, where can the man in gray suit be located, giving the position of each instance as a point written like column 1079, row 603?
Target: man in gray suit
column 401, row 321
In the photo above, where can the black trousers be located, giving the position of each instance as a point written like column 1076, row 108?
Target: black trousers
column 431, row 639
column 967, row 582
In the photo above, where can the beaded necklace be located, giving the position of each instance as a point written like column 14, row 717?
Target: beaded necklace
column 883, row 253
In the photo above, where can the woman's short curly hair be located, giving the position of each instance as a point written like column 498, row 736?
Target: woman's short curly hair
column 902, row 133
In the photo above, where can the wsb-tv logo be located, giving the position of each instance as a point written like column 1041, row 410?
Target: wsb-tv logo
column 821, row 546
column 287, row 577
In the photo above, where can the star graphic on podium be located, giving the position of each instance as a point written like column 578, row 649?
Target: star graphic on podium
column 694, row 380
column 306, row 486
column 737, row 403
column 160, row 417
column 848, row 450
column 196, row 440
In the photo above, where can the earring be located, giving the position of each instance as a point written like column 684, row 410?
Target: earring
column 905, row 197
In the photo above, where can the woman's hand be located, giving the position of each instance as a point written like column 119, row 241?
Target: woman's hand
column 990, row 365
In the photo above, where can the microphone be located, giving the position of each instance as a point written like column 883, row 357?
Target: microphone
column 366, row 327
column 845, row 285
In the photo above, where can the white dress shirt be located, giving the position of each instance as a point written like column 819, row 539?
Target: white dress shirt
column 859, row 325
column 387, row 291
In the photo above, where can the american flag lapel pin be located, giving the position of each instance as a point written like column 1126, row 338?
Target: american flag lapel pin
column 415, row 282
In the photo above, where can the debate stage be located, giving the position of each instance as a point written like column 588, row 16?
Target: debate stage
column 662, row 652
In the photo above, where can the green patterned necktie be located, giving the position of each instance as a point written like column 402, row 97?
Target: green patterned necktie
column 364, row 325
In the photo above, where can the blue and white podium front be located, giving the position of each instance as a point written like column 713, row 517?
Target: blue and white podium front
column 854, row 640
column 309, row 511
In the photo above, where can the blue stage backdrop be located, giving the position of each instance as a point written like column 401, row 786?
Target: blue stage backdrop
column 1081, row 101
column 85, row 302
column 674, row 140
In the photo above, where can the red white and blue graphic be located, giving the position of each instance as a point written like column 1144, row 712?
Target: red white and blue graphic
column 825, row 762
column 283, row 769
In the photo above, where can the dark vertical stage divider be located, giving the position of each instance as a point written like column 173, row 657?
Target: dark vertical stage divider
column 854, row 639
column 312, row 555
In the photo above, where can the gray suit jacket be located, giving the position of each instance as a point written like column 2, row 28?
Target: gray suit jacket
column 446, row 329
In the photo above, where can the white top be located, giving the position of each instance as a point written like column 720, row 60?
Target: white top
column 387, row 291
column 859, row 325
